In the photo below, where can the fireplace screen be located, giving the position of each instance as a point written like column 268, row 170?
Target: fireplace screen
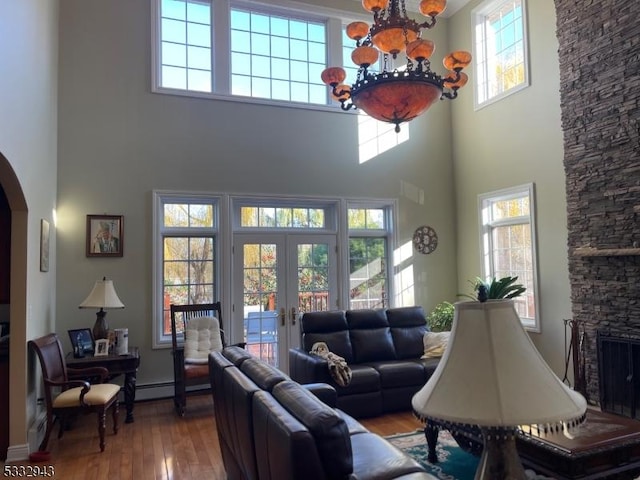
column 618, row 363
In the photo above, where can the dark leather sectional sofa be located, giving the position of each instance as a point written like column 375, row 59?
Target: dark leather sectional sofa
column 383, row 349
column 272, row 428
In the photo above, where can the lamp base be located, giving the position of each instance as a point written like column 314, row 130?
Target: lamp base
column 101, row 327
column 500, row 460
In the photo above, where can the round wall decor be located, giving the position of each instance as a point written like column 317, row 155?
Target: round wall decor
column 425, row 239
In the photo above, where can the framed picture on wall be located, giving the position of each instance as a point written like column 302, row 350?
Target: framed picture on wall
column 105, row 235
column 44, row 245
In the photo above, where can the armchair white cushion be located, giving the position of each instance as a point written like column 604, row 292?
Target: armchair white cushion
column 201, row 336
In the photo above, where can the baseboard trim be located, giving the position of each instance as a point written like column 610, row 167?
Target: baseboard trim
column 17, row 453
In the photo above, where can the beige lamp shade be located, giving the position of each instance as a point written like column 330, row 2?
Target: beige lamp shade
column 492, row 375
column 103, row 295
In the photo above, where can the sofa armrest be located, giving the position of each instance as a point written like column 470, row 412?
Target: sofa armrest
column 325, row 392
column 307, row 368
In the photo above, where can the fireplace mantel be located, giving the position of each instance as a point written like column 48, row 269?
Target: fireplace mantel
column 605, row 252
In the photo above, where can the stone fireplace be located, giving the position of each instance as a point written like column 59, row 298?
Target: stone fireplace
column 599, row 51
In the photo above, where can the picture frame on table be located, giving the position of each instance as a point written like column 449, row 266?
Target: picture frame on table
column 81, row 341
column 105, row 236
column 102, row 348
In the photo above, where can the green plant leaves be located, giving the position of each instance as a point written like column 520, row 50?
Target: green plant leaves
column 504, row 287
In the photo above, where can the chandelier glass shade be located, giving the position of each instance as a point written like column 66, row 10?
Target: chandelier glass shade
column 401, row 94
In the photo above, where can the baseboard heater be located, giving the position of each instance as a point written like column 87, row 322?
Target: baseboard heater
column 36, row 432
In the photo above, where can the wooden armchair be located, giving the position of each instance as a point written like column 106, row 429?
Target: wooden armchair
column 195, row 331
column 65, row 396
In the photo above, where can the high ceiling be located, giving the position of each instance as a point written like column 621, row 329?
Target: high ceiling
column 452, row 6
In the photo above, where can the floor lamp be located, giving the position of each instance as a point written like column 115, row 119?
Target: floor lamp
column 492, row 377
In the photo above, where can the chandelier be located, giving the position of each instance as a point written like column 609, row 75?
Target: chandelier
column 401, row 94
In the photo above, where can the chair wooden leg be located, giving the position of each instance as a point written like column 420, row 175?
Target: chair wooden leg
column 115, row 409
column 102, row 420
column 45, row 440
column 62, row 419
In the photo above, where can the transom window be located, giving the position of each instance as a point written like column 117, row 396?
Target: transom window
column 185, row 45
column 264, row 50
column 499, row 49
column 282, row 217
column 277, row 57
column 508, row 244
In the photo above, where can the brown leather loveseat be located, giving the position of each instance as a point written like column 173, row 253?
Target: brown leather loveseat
column 272, row 428
column 382, row 348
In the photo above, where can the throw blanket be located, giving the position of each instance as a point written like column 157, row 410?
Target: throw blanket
column 338, row 367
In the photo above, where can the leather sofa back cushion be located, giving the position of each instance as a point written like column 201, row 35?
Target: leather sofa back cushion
column 408, row 326
column 284, row 446
column 263, row 374
column 325, row 424
column 236, row 355
column 330, row 328
column 370, row 336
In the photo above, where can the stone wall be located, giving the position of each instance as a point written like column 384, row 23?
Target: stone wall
column 599, row 50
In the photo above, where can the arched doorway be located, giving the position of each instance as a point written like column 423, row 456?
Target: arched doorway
column 17, row 306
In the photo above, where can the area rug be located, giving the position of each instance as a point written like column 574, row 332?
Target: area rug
column 453, row 462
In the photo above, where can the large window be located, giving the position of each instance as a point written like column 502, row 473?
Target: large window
column 186, row 254
column 507, row 222
column 369, row 231
column 264, row 51
column 499, row 49
column 198, row 237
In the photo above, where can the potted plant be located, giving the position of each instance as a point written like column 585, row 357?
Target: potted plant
column 501, row 288
column 440, row 318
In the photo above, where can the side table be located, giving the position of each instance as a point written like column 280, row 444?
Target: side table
column 126, row 365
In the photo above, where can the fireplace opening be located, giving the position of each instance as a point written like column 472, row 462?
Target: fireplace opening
column 619, row 373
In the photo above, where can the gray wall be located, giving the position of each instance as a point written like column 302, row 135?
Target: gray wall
column 512, row 142
column 119, row 141
column 28, row 139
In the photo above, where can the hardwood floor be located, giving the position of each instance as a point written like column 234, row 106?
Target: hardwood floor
column 161, row 445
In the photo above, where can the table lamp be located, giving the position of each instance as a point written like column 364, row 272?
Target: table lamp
column 102, row 296
column 492, row 377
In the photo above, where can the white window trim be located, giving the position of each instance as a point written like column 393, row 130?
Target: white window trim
column 228, row 206
column 160, row 198
column 486, row 254
column 221, row 45
column 477, row 18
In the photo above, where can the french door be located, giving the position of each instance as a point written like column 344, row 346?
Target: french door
column 277, row 277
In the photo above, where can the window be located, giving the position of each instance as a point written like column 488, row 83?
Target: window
column 368, row 254
column 185, row 45
column 195, row 234
column 499, row 49
column 186, row 254
column 277, row 57
column 507, row 225
column 266, row 52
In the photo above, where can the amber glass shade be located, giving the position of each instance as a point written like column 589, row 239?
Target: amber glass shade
column 392, row 40
column 342, row 92
column 431, row 8
column 396, row 101
column 457, row 60
column 374, row 5
column 464, row 78
column 333, row 75
column 420, row 49
column 357, row 30
column 364, row 56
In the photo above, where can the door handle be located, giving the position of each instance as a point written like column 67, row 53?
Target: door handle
column 293, row 315
column 283, row 316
